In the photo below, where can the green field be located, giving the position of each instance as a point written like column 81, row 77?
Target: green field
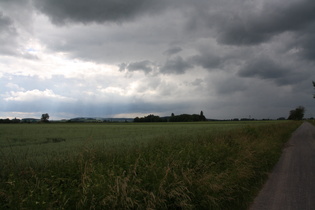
column 208, row 165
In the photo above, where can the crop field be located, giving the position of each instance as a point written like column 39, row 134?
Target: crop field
column 206, row 165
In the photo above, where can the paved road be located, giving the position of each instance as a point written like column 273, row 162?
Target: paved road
column 291, row 185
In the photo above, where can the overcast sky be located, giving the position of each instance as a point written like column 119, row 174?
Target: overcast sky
column 119, row 58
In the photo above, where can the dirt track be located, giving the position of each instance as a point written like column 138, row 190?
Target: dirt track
column 291, row 185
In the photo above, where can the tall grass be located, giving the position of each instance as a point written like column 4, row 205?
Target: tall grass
column 181, row 167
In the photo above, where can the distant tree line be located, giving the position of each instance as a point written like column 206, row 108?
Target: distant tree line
column 44, row 119
column 10, row 121
column 15, row 120
column 150, row 118
column 187, row 117
column 172, row 118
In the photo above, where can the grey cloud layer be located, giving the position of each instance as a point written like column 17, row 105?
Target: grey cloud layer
column 251, row 26
column 173, row 50
column 264, row 68
column 63, row 11
column 8, row 35
column 218, row 49
column 231, row 23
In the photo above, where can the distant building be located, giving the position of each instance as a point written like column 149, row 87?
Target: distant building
column 30, row 120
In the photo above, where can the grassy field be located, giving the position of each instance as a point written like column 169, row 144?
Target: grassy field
column 205, row 165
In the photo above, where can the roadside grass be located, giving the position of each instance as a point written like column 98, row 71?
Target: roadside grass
column 312, row 122
column 138, row 166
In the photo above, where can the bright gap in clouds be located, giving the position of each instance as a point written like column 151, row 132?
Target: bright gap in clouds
column 51, row 80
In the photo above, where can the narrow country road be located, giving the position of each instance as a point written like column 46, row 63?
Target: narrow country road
column 291, row 185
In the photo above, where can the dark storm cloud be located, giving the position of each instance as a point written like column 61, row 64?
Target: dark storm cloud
column 5, row 22
column 236, row 23
column 173, row 51
column 8, row 35
column 230, row 85
column 197, row 82
column 175, row 65
column 305, row 43
column 207, row 61
column 264, row 68
column 254, row 27
column 63, row 11
column 286, row 16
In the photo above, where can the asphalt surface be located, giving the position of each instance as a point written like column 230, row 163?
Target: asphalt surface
column 291, row 185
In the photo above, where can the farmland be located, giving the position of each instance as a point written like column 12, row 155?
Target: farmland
column 208, row 165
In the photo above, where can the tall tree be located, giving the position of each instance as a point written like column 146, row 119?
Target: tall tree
column 297, row 114
column 202, row 117
column 45, row 117
column 201, row 113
